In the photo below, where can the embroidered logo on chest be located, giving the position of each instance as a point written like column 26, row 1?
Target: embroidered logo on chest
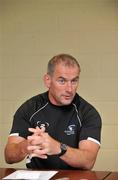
column 40, row 124
column 70, row 130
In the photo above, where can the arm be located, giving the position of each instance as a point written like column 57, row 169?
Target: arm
column 16, row 149
column 82, row 157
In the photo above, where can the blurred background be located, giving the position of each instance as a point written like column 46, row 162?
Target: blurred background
column 32, row 31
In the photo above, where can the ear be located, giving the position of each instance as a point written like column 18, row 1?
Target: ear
column 47, row 80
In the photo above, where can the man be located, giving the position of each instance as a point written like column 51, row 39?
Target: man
column 57, row 129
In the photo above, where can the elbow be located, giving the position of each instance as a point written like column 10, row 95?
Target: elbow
column 11, row 160
column 89, row 165
column 8, row 160
column 9, row 157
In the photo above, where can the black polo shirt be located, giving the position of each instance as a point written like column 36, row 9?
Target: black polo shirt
column 68, row 124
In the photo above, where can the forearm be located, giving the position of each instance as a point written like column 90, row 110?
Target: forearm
column 79, row 158
column 82, row 157
column 16, row 152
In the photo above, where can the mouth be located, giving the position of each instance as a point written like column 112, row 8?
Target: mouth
column 68, row 97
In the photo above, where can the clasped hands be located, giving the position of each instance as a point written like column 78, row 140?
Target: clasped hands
column 41, row 144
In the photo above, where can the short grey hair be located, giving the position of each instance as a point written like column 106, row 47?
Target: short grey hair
column 66, row 59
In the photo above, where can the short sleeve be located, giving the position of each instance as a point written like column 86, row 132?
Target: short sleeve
column 91, row 125
column 21, row 121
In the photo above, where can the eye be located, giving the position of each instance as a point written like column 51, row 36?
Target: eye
column 61, row 81
column 74, row 81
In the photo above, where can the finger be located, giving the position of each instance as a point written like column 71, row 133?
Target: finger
column 32, row 148
column 37, row 130
column 33, row 130
column 39, row 153
column 33, row 143
column 34, row 140
column 39, row 156
column 42, row 129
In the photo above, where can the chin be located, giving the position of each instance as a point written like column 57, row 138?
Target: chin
column 66, row 103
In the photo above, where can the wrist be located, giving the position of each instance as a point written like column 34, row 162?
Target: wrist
column 63, row 149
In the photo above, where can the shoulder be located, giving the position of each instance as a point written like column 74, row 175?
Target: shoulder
column 86, row 109
column 82, row 104
column 33, row 103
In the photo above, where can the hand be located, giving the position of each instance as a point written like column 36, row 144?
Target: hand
column 35, row 141
column 42, row 144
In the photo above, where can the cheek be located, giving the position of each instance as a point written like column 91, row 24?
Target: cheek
column 56, row 89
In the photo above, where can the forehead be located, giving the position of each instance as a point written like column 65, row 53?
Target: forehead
column 63, row 70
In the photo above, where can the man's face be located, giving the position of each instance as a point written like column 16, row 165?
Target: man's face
column 63, row 84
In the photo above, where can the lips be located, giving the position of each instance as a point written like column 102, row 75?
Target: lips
column 68, row 97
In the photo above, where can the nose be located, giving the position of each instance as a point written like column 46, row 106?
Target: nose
column 69, row 86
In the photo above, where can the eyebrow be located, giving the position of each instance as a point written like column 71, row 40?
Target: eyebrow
column 61, row 77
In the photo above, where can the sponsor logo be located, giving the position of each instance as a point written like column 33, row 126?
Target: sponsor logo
column 44, row 124
column 70, row 130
